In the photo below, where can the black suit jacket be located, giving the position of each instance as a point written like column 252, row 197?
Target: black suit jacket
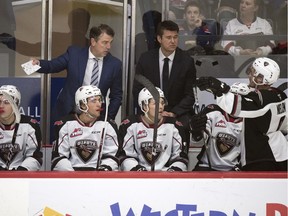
column 182, row 77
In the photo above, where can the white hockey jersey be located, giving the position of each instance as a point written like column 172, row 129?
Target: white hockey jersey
column 77, row 145
column 258, row 27
column 137, row 142
column 25, row 153
column 223, row 141
column 265, row 123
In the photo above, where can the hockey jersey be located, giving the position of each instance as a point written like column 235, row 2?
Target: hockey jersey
column 77, row 146
column 222, row 138
column 25, row 152
column 137, row 142
column 264, row 125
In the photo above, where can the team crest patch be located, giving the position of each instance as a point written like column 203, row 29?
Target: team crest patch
column 8, row 152
column 141, row 134
column 86, row 149
column 225, row 143
column 76, row 132
column 146, row 149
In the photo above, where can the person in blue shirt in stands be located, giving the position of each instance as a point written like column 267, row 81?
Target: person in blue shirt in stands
column 195, row 24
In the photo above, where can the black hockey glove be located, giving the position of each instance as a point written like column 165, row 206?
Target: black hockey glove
column 197, row 124
column 104, row 168
column 174, row 169
column 213, row 85
column 138, row 168
column 21, row 168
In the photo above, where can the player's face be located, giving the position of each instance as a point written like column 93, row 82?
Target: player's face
column 253, row 79
column 168, row 41
column 152, row 106
column 94, row 105
column 102, row 45
column 248, row 7
column 6, row 110
column 192, row 15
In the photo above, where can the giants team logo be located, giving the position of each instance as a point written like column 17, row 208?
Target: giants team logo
column 86, row 149
column 225, row 143
column 76, row 132
column 141, row 134
column 8, row 152
column 148, row 150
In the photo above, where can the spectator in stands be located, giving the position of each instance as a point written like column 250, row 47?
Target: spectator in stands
column 137, row 137
column 194, row 24
column 248, row 23
column 85, row 140
column 20, row 146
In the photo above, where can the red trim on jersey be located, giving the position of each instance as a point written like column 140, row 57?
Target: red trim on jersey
column 130, row 174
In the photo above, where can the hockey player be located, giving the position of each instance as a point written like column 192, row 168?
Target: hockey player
column 137, row 132
column 84, row 138
column 20, row 135
column 222, row 132
column 263, row 143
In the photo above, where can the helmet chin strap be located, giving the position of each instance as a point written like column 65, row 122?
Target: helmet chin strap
column 90, row 115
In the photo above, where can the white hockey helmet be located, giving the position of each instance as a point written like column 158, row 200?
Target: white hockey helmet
column 13, row 92
column 144, row 97
column 85, row 92
column 240, row 88
column 268, row 68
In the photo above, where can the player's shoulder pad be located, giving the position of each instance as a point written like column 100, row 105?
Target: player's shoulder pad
column 130, row 120
column 211, row 108
column 29, row 120
column 112, row 123
column 64, row 119
column 174, row 121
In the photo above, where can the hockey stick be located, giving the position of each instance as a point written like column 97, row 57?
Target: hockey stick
column 103, row 131
column 154, row 92
column 197, row 111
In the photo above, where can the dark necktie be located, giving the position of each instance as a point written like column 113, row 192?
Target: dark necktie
column 95, row 73
column 165, row 76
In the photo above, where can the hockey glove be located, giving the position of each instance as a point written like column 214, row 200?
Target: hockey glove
column 138, row 168
column 173, row 169
column 21, row 168
column 213, row 85
column 104, row 168
column 197, row 124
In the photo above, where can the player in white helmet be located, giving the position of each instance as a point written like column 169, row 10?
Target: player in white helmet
column 20, row 139
column 85, row 141
column 136, row 134
column 263, row 141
